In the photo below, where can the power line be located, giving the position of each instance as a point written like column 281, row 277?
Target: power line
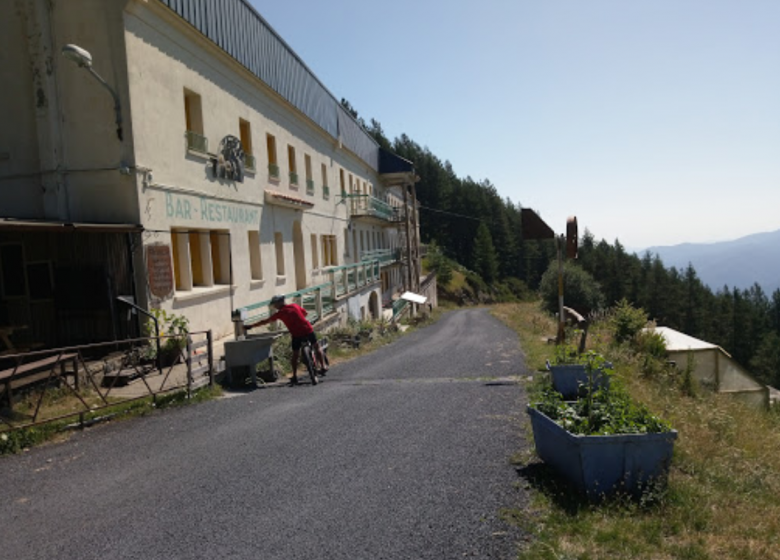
column 450, row 213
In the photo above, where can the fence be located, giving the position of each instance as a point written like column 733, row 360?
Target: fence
column 319, row 300
column 82, row 383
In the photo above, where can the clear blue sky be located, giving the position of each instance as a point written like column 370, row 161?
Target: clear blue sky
column 653, row 121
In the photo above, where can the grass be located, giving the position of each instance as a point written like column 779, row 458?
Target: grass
column 722, row 498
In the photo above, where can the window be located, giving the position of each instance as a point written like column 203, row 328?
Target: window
column 200, row 258
column 307, row 169
column 325, row 187
column 292, row 165
column 315, row 260
column 351, row 185
column 362, row 243
column 12, row 268
column 255, row 263
column 346, row 242
column 341, row 181
column 273, row 163
column 220, row 256
column 245, row 130
column 193, row 116
column 329, row 257
column 279, row 244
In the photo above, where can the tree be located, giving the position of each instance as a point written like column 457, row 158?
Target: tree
column 485, row 259
column 581, row 292
column 765, row 365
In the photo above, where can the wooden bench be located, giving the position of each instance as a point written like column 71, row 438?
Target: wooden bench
column 31, row 372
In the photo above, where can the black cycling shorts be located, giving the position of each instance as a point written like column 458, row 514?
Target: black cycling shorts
column 297, row 342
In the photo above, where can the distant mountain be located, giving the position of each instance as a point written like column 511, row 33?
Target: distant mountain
column 738, row 264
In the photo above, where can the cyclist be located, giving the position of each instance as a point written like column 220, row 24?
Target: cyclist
column 294, row 318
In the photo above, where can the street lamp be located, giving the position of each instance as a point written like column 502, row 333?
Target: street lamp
column 83, row 58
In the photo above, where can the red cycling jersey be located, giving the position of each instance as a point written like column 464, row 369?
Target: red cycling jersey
column 294, row 318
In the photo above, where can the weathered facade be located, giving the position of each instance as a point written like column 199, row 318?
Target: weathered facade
column 227, row 173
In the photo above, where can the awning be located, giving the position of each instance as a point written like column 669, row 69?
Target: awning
column 414, row 298
column 11, row 224
column 287, row 200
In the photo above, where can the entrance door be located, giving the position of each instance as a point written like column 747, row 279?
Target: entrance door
column 299, row 256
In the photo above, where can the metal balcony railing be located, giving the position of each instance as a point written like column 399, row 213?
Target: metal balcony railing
column 325, row 192
column 197, row 142
column 273, row 171
column 249, row 162
column 367, row 205
column 384, row 256
column 309, row 186
column 293, row 178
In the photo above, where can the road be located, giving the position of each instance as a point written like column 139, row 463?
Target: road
column 401, row 454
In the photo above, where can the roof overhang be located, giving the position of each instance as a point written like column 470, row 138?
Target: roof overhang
column 288, row 201
column 9, row 224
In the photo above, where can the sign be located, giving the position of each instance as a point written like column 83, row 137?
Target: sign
column 160, row 270
column 187, row 208
column 414, row 298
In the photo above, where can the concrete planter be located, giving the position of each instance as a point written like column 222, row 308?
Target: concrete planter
column 568, row 379
column 599, row 465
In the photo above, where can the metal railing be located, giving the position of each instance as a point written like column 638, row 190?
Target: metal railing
column 325, row 192
column 197, row 142
column 367, row 205
column 80, row 384
column 384, row 256
column 250, row 162
column 309, row 186
column 273, row 171
column 293, row 178
column 319, row 301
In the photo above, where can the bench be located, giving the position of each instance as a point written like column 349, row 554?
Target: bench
column 31, row 372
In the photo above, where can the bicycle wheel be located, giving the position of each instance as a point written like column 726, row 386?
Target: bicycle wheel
column 308, row 359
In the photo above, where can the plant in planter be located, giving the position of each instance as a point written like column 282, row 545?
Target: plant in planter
column 604, row 442
column 569, row 371
column 173, row 336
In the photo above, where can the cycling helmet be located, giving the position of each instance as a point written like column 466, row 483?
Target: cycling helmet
column 277, row 299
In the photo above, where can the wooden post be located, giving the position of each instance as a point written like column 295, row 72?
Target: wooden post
column 210, row 339
column 188, row 362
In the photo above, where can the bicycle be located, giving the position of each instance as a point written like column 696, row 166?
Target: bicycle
column 309, row 358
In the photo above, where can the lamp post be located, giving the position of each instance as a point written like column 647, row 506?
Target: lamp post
column 83, row 58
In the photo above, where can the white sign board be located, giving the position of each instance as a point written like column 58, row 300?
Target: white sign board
column 414, row 298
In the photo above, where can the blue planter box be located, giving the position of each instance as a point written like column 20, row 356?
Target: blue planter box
column 601, row 465
column 567, row 379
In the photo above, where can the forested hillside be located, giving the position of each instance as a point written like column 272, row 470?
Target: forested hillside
column 473, row 225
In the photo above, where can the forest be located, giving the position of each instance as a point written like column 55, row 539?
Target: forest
column 470, row 223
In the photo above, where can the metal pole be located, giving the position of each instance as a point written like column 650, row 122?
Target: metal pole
column 561, row 324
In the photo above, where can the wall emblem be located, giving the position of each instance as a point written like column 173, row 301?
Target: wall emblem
column 229, row 163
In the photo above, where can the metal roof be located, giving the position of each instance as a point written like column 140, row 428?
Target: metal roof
column 239, row 30
column 677, row 341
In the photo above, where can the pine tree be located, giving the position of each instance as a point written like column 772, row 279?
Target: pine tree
column 485, row 259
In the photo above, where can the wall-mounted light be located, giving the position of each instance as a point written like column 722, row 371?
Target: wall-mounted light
column 83, row 58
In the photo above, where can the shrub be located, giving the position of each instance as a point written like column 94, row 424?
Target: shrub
column 627, row 321
column 581, row 291
column 175, row 327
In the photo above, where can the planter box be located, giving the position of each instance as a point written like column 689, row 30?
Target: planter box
column 601, row 465
column 567, row 379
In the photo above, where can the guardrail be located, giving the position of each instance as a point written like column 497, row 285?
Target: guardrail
column 367, row 205
column 384, row 256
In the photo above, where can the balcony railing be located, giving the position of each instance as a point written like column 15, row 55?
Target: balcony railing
column 273, row 171
column 319, row 300
column 293, row 178
column 383, row 256
column 309, row 186
column 197, row 142
column 249, row 162
column 367, row 205
column 325, row 192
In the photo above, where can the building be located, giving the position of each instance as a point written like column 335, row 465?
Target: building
column 210, row 171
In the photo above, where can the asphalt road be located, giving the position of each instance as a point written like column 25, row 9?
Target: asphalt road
column 401, row 454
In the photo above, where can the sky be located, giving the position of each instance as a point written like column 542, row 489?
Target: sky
column 655, row 122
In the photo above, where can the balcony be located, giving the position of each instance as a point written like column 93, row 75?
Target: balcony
column 250, row 164
column 325, row 192
column 384, row 256
column 197, row 142
column 293, row 179
column 273, row 171
column 372, row 208
column 309, row 186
